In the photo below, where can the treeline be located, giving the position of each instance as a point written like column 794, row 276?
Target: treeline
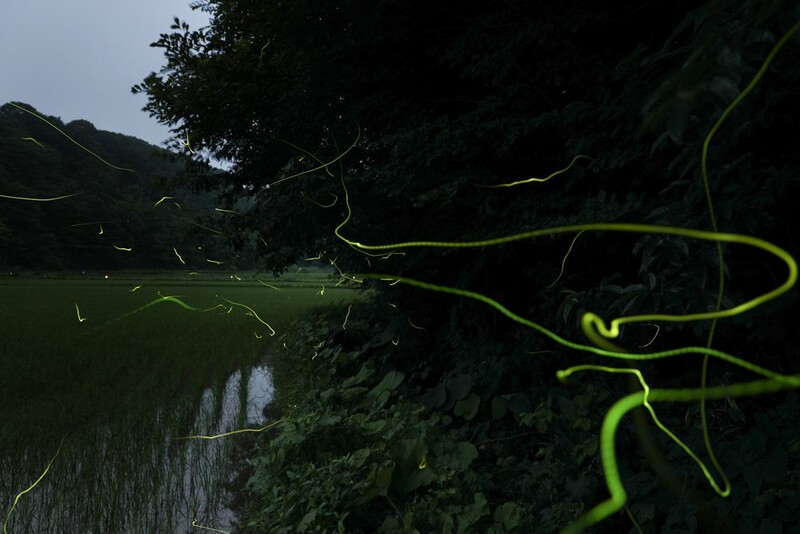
column 418, row 109
column 109, row 219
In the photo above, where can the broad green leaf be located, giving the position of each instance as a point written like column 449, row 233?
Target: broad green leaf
column 509, row 514
column 499, row 407
column 459, row 386
column 464, row 453
column 468, row 407
column 392, row 380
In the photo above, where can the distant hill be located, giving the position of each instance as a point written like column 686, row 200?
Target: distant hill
column 112, row 220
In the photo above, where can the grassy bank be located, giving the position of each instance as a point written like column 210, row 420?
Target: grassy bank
column 357, row 451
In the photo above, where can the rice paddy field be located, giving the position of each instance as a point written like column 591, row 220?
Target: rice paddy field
column 103, row 374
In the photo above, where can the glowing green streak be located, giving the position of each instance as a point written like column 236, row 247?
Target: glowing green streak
column 253, row 312
column 29, row 199
column 530, row 180
column 98, row 223
column 162, row 200
column 322, row 166
column 261, row 54
column 634, row 400
column 241, row 431
column 309, row 154
column 65, row 134
column 623, row 406
column 276, row 288
column 633, row 520
column 201, row 226
column 29, row 488
column 658, row 329
column 704, row 160
column 563, row 375
column 232, row 212
column 186, row 144
column 40, row 145
column 564, row 261
column 185, row 306
column 78, row 312
column 597, row 331
column 195, row 524
column 793, row 382
column 335, row 200
column 160, row 300
column 590, row 319
column 178, row 254
column 344, row 324
column 712, row 217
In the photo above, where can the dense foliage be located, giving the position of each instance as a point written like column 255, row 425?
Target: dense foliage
column 112, row 205
column 441, row 98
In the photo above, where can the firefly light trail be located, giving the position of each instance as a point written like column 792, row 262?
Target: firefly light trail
column 601, row 334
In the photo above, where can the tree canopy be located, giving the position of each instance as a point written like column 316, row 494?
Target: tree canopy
column 107, row 219
column 413, row 111
column 442, row 98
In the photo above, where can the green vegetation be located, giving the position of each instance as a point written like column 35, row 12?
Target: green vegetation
column 111, row 217
column 356, row 452
column 452, row 145
column 357, row 124
column 165, row 351
column 360, row 452
column 123, row 386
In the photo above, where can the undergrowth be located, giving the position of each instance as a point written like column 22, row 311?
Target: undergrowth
column 489, row 449
column 357, row 454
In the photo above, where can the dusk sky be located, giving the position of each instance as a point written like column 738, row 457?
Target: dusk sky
column 77, row 59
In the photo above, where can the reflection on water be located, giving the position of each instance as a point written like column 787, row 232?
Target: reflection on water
column 135, row 475
column 259, row 394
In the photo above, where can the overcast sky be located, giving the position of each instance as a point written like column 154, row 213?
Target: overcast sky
column 77, row 59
